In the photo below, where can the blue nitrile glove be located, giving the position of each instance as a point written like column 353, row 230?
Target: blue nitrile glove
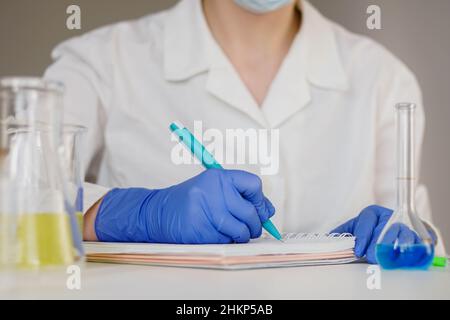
column 369, row 224
column 366, row 227
column 217, row 206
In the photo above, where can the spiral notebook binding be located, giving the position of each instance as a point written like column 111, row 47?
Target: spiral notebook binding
column 315, row 236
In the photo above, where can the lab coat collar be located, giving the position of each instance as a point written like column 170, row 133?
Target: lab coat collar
column 185, row 41
column 190, row 49
column 313, row 60
column 324, row 64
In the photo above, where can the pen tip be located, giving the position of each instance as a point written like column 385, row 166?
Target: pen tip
column 174, row 127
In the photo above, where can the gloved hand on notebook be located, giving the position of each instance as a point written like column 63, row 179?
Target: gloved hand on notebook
column 217, row 206
column 366, row 227
column 369, row 224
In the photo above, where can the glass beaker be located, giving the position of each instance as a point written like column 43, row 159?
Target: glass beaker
column 405, row 242
column 73, row 144
column 40, row 230
column 8, row 218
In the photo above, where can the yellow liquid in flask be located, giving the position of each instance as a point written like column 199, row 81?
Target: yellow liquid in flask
column 45, row 240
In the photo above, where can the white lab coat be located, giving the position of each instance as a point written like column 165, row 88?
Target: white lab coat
column 332, row 101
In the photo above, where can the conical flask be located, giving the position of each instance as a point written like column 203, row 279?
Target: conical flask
column 37, row 229
column 405, row 242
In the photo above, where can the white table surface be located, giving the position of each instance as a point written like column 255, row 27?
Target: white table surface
column 109, row 281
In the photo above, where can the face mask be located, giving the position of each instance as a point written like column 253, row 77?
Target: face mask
column 262, row 6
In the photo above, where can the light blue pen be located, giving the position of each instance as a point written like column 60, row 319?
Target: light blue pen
column 208, row 161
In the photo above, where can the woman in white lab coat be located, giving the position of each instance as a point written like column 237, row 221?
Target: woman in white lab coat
column 277, row 65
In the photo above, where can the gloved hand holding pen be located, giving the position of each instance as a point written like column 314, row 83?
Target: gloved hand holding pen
column 217, row 206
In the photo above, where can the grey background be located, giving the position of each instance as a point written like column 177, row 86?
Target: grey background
column 415, row 30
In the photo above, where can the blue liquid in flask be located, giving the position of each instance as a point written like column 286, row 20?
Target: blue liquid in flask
column 411, row 256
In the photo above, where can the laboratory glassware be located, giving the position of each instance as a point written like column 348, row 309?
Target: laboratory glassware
column 7, row 216
column 405, row 242
column 40, row 229
column 73, row 145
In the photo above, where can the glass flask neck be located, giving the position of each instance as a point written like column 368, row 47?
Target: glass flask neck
column 29, row 102
column 406, row 178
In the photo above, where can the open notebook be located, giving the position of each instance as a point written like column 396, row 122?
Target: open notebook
column 265, row 252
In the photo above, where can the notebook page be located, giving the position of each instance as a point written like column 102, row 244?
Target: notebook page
column 293, row 244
